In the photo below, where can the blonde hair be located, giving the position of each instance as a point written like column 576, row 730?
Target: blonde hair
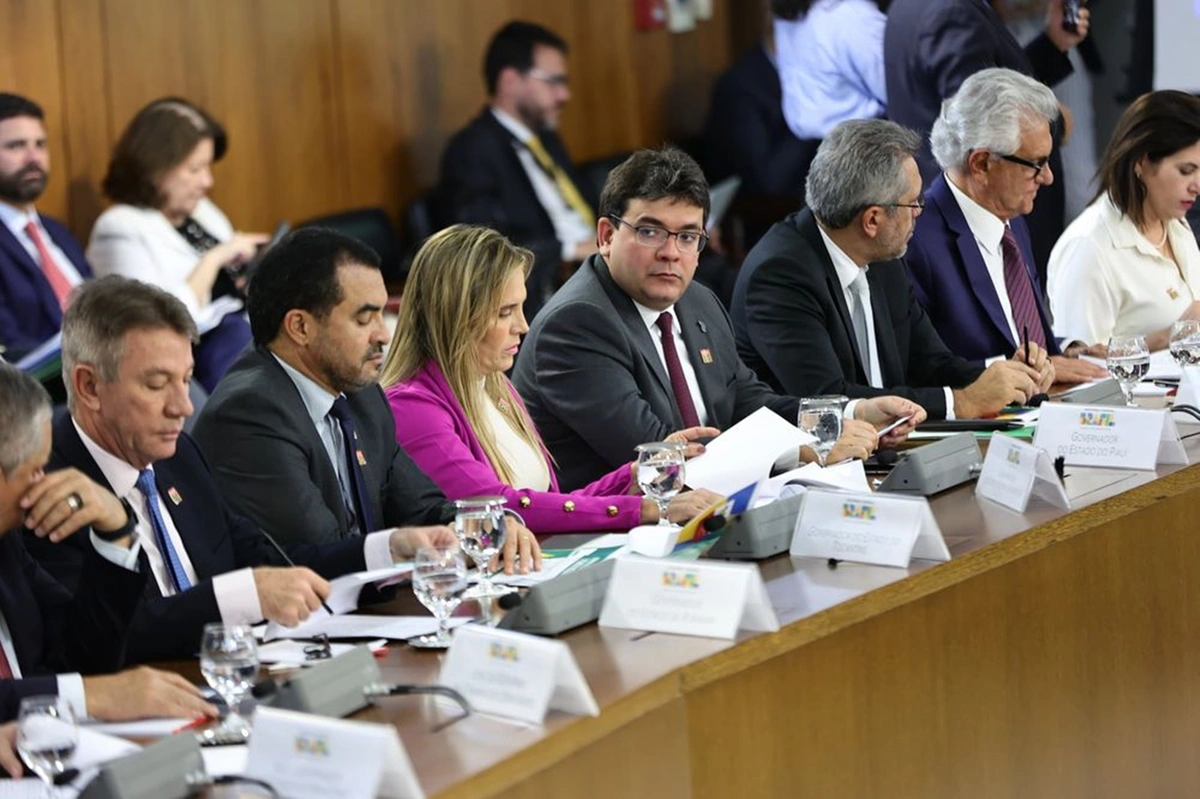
column 451, row 299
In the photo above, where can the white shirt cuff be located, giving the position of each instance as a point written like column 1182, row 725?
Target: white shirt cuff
column 377, row 550
column 117, row 554
column 70, row 688
column 237, row 597
column 787, row 461
column 949, row 402
column 848, row 411
column 994, row 359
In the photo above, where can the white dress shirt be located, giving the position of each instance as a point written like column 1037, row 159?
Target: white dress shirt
column 569, row 226
column 650, row 318
column 527, row 462
column 16, row 220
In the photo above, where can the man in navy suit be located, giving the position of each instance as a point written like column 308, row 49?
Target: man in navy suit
column 970, row 259
column 40, row 261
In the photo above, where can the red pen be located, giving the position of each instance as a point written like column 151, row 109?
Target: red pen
column 194, row 724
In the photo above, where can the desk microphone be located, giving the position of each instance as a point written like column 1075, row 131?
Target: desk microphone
column 1037, row 399
column 510, row 601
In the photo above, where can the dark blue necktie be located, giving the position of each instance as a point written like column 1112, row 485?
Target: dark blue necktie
column 341, row 412
column 146, row 484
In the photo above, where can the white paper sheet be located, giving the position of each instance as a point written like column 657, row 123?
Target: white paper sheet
column 343, row 598
column 145, row 728
column 393, row 628
column 222, row 760
column 1162, row 365
column 290, row 651
column 744, row 453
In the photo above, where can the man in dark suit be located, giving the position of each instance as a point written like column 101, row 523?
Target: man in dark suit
column 509, row 170
column 812, row 318
column 970, row 260
column 48, row 632
column 127, row 357
column 630, row 349
column 40, row 261
column 931, row 46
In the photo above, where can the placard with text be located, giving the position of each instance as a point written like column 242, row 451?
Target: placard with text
column 1119, row 438
column 883, row 529
column 1014, row 471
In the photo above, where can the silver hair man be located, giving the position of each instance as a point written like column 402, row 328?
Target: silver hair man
column 859, row 164
column 23, row 421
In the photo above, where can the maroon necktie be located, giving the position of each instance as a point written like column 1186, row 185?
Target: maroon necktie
column 1020, row 291
column 683, row 396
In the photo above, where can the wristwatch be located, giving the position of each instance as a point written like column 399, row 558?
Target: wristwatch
column 126, row 529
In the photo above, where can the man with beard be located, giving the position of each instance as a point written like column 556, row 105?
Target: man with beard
column 298, row 433
column 823, row 303
column 509, row 170
column 40, row 262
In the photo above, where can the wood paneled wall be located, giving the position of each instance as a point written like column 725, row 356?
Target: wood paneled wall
column 334, row 104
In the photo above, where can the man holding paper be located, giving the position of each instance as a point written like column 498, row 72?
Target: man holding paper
column 595, row 372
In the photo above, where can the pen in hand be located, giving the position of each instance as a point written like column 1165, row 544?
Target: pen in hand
column 1025, row 344
column 291, row 563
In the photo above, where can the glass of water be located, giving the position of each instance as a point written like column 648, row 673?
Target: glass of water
column 439, row 580
column 1128, row 362
column 821, row 417
column 46, row 736
column 480, row 524
column 660, row 474
column 229, row 663
column 1185, row 342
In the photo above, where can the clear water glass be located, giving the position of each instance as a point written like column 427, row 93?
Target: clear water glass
column 439, row 580
column 481, row 526
column 821, row 417
column 47, row 734
column 1185, row 342
column 229, row 663
column 1128, row 362
column 660, row 474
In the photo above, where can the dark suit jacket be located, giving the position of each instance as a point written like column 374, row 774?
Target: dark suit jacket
column 216, row 539
column 596, row 387
column 483, row 183
column 29, row 311
column 271, row 466
column 794, row 328
column 952, row 283
column 54, row 632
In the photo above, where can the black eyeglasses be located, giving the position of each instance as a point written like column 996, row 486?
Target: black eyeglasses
column 558, row 81
column 319, row 649
column 1036, row 166
column 688, row 241
column 919, row 205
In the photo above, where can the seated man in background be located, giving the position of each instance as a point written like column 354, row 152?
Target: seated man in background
column 631, row 350
column 127, row 362
column 823, row 304
column 970, row 257
column 43, row 628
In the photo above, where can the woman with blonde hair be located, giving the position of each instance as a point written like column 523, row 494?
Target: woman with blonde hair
column 457, row 414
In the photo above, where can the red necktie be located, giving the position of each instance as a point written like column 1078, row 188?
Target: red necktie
column 6, row 672
column 679, row 386
column 58, row 281
column 1020, row 291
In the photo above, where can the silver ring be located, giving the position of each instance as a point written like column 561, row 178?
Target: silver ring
column 74, row 502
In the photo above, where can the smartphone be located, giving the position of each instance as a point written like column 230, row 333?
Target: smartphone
column 1070, row 21
column 893, row 426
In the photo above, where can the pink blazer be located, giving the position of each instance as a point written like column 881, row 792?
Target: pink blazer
column 434, row 431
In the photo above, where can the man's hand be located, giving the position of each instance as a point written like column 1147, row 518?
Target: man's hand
column 857, row 441
column 66, row 501
column 689, row 438
column 9, row 760
column 880, row 412
column 405, row 541
column 686, row 506
column 143, row 693
column 1003, row 383
column 288, row 595
column 521, row 551
column 1040, row 361
column 1065, row 40
column 1078, row 349
column 1076, row 370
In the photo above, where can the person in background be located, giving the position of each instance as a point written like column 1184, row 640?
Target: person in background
column 164, row 230
column 1129, row 265
column 458, row 415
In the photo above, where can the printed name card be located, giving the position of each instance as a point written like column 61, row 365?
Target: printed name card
column 313, row 757
column 708, row 599
column 1014, row 471
column 516, row 675
column 883, row 529
column 1122, row 438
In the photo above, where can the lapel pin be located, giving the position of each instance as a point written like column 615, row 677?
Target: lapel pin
column 1173, row 294
column 173, row 493
column 362, row 459
column 703, row 327
column 706, row 355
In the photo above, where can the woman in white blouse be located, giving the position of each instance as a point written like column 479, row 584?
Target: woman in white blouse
column 164, row 230
column 1129, row 264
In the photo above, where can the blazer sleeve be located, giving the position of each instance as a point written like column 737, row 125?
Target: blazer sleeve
column 118, row 246
column 426, row 429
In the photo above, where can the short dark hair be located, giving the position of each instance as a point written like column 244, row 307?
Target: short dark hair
column 1156, row 125
column 513, row 46
column 26, row 408
column 14, row 105
column 157, row 139
column 667, row 172
column 300, row 272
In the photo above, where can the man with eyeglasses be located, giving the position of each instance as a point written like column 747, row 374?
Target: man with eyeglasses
column 631, row 349
column 970, row 258
column 823, row 304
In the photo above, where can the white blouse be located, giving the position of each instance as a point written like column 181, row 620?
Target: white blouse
column 528, row 463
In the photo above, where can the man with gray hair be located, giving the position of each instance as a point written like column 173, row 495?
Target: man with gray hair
column 970, row 257
column 823, row 304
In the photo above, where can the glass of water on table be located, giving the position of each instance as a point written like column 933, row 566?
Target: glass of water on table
column 46, row 737
column 1128, row 362
column 660, row 474
column 439, row 580
column 229, row 663
column 821, row 417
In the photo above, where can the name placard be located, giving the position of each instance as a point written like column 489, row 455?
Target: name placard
column 516, row 675
column 314, row 757
column 1014, row 471
column 883, row 529
column 1121, row 438
column 702, row 598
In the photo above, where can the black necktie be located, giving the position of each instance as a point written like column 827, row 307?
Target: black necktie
column 341, row 412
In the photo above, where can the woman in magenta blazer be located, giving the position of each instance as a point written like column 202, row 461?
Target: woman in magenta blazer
column 457, row 414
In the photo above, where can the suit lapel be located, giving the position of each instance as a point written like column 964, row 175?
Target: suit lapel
column 512, row 148
column 637, row 329
column 699, row 345
column 191, row 526
column 806, row 225
column 20, row 256
column 891, row 368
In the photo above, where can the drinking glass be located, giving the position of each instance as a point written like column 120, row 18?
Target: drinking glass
column 1128, row 362
column 822, row 417
column 1185, row 342
column 660, row 474
column 229, row 663
column 439, row 579
column 480, row 524
column 46, row 737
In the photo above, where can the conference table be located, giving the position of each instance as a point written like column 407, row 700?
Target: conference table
column 1056, row 654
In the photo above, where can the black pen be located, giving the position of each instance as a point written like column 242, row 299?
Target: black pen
column 291, row 563
column 1025, row 344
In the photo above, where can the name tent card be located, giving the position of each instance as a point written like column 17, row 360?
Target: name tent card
column 1122, row 438
column 1014, row 471
column 516, row 675
column 708, row 599
column 304, row 756
column 1189, row 387
column 882, row 529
